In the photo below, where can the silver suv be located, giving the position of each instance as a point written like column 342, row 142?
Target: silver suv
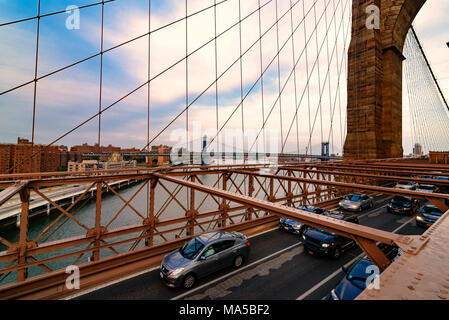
column 203, row 255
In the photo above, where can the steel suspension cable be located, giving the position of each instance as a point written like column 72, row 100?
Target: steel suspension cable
column 271, row 62
column 147, row 82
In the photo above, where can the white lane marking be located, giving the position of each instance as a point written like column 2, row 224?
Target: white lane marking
column 328, row 278
column 236, row 271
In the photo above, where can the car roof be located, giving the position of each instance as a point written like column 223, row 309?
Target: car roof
column 213, row 236
column 356, row 194
column 309, row 208
column 339, row 215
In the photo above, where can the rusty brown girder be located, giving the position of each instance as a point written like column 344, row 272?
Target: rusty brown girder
column 364, row 236
column 371, row 176
column 435, row 198
column 192, row 219
column 243, row 197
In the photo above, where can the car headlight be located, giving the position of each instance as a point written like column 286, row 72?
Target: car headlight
column 176, row 272
column 340, row 203
column 419, row 218
column 298, row 226
column 325, row 245
column 304, row 237
column 354, row 206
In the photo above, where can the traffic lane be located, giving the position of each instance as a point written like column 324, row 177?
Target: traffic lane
column 291, row 275
column 150, row 286
column 221, row 289
column 281, row 278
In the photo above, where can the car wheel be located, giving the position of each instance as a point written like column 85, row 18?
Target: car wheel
column 337, row 253
column 238, row 261
column 189, row 281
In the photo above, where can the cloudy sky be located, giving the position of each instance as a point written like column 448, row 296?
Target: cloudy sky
column 303, row 116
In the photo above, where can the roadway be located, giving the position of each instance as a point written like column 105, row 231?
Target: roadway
column 277, row 269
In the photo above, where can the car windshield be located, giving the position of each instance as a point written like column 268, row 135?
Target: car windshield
column 323, row 231
column 191, row 248
column 424, row 187
column 432, row 210
column 359, row 273
column 403, row 200
column 353, row 197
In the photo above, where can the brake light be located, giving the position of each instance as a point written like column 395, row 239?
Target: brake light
column 247, row 244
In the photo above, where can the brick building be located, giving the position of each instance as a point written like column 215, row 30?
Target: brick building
column 86, row 148
column 6, row 157
column 27, row 158
column 23, row 157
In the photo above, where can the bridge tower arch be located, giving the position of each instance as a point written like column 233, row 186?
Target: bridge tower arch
column 374, row 110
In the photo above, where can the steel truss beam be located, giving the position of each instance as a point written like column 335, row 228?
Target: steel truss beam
column 435, row 198
column 364, row 236
column 276, row 189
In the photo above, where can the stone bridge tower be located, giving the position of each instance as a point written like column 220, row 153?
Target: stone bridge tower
column 374, row 111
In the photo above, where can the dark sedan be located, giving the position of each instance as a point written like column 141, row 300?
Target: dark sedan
column 296, row 227
column 403, row 205
column 322, row 242
column 359, row 274
column 203, row 255
column 427, row 215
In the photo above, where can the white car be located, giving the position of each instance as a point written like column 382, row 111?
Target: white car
column 427, row 188
column 406, row 185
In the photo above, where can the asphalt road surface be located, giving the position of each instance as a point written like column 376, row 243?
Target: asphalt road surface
column 277, row 269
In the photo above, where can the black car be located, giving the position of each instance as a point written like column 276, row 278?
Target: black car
column 297, row 227
column 322, row 242
column 313, row 209
column 427, row 215
column 403, row 205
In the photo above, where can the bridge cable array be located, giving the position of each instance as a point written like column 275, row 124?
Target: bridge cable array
column 429, row 112
column 331, row 20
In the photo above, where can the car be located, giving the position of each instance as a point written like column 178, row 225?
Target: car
column 406, row 185
column 321, row 242
column 427, row 215
column 203, row 255
column 313, row 209
column 427, row 188
column 356, row 278
column 297, row 227
column 443, row 188
column 356, row 202
column 403, row 205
